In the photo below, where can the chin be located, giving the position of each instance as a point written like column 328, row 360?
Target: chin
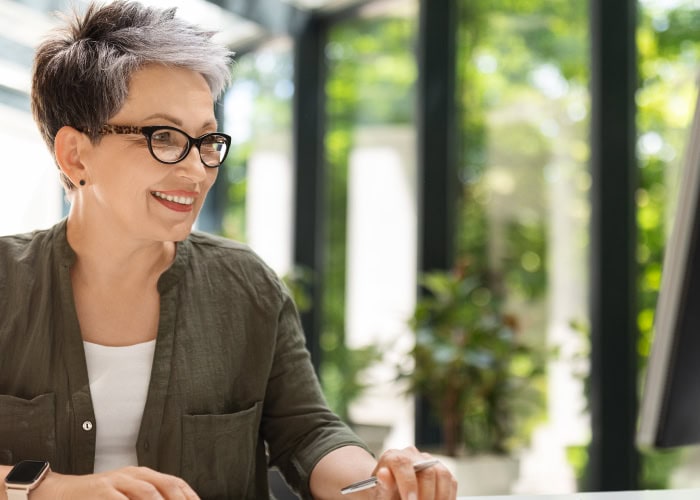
column 181, row 233
column 176, row 232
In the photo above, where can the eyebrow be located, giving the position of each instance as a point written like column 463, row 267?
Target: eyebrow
column 178, row 122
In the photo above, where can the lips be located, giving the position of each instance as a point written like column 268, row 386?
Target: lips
column 182, row 200
column 175, row 200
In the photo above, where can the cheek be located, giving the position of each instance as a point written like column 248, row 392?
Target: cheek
column 119, row 167
column 212, row 174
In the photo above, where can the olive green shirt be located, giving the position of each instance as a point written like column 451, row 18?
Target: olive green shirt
column 232, row 389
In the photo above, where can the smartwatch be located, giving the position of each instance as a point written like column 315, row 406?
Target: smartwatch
column 24, row 477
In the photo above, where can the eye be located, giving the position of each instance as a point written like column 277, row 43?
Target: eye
column 214, row 143
column 163, row 138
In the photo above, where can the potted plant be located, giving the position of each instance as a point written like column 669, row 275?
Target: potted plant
column 472, row 364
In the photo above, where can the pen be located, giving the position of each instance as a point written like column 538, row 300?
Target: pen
column 372, row 481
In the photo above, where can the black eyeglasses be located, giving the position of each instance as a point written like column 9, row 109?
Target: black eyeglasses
column 171, row 145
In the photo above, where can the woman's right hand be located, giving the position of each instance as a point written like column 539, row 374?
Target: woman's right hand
column 133, row 483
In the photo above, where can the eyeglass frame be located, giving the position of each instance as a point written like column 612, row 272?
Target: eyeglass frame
column 147, row 132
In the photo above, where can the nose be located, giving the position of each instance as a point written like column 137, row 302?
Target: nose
column 191, row 166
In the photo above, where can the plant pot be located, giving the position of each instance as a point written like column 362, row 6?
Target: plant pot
column 483, row 474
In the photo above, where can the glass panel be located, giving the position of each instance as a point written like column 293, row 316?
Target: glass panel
column 523, row 232
column 259, row 169
column 34, row 201
column 669, row 45
column 369, row 291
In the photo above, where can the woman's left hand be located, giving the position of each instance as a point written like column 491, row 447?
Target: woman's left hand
column 397, row 479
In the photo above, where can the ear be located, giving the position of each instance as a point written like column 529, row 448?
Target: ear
column 69, row 145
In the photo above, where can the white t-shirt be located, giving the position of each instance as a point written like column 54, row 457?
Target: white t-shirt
column 119, row 378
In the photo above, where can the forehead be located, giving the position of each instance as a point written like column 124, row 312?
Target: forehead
column 165, row 90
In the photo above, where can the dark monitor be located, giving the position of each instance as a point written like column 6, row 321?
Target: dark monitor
column 670, row 409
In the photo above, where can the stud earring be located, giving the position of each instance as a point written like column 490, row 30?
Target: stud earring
column 82, row 182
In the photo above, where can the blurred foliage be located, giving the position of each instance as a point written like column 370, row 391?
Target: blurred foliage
column 668, row 43
column 258, row 106
column 504, row 152
column 525, row 258
column 669, row 47
column 298, row 281
column 503, row 45
column 472, row 364
column 371, row 78
column 234, row 171
column 342, row 381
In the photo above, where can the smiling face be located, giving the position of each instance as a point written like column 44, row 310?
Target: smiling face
column 127, row 189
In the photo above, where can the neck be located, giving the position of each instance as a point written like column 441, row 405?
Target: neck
column 109, row 258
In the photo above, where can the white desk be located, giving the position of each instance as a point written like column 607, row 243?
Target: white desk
column 624, row 495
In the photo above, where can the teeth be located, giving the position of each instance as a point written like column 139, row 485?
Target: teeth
column 182, row 200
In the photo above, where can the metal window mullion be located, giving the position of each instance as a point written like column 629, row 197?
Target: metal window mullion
column 613, row 460
column 437, row 178
column 309, row 133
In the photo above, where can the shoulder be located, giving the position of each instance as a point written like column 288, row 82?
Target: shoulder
column 218, row 249
column 26, row 259
column 18, row 248
column 214, row 243
column 228, row 260
column 15, row 242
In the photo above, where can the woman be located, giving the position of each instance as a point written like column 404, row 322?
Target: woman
column 139, row 359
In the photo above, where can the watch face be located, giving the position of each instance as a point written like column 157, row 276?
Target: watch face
column 26, row 472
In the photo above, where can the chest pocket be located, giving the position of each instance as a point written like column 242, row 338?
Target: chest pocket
column 218, row 452
column 27, row 429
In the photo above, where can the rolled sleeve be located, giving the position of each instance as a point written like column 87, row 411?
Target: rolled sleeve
column 297, row 424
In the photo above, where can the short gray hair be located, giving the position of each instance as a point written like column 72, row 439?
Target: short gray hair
column 81, row 74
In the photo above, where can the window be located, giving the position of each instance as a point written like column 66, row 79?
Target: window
column 259, row 170
column 668, row 46
column 523, row 230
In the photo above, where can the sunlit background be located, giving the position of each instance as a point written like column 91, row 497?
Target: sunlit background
column 522, row 118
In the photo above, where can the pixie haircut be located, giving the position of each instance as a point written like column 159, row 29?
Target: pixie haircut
column 81, row 73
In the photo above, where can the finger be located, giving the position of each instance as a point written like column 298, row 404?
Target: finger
column 173, row 488
column 170, row 487
column 455, row 488
column 110, row 494
column 428, row 483
column 386, row 486
column 400, row 464
column 135, row 488
column 188, row 491
column 445, row 484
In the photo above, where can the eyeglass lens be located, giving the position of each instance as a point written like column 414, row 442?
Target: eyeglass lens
column 170, row 146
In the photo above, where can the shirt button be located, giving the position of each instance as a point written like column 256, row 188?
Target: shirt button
column 87, row 425
column 146, row 445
